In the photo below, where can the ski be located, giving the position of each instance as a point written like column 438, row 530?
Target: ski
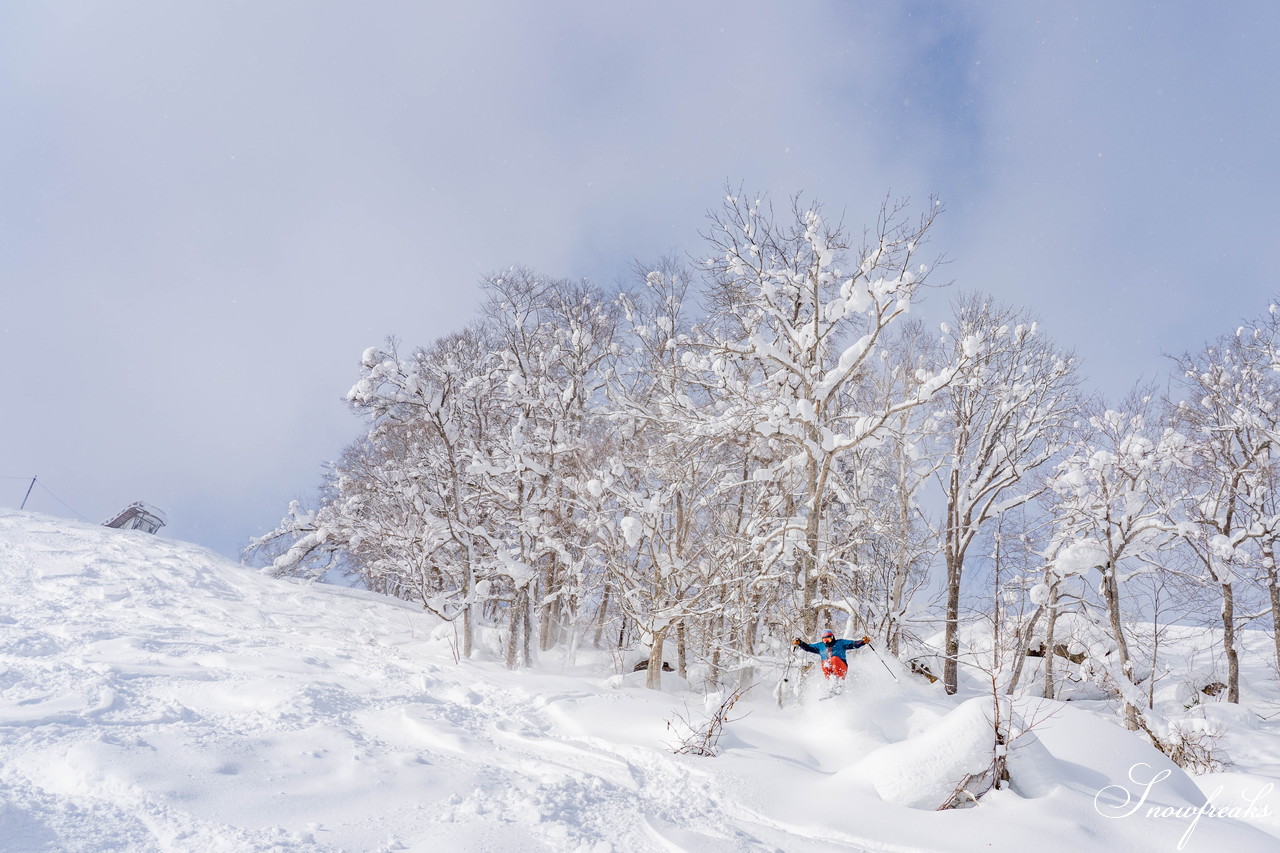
column 831, row 694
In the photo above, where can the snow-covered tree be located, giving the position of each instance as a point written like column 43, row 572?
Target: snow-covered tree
column 442, row 397
column 553, row 344
column 1229, row 413
column 402, row 506
column 664, row 473
column 1006, row 413
column 1260, row 341
column 798, row 319
column 1113, row 516
column 878, row 531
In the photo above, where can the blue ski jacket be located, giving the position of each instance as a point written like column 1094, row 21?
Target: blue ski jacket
column 837, row 649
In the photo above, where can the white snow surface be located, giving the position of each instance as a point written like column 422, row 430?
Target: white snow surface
column 157, row 697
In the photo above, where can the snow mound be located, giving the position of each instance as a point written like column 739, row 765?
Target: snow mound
column 923, row 771
column 1224, row 715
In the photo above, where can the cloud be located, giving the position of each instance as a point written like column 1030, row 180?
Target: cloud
column 1126, row 189
column 208, row 211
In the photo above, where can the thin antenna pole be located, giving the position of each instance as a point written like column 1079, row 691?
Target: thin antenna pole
column 27, row 495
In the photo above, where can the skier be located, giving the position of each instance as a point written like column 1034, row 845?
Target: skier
column 833, row 653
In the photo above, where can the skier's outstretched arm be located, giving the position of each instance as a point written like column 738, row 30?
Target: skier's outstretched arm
column 800, row 644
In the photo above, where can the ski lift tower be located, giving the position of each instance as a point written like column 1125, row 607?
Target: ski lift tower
column 138, row 516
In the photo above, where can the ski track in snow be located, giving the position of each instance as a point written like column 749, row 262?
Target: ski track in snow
column 154, row 697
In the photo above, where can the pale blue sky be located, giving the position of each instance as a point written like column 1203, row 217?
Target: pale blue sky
column 208, row 210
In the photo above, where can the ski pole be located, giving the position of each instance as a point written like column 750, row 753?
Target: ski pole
column 780, row 691
column 882, row 663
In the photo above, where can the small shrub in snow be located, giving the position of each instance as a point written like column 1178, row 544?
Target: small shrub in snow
column 705, row 739
column 1193, row 745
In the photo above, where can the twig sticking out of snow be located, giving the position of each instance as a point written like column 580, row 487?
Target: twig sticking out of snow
column 704, row 740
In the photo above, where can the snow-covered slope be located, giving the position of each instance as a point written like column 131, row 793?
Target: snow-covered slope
column 154, row 696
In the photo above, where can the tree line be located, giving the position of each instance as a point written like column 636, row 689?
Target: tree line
column 728, row 453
